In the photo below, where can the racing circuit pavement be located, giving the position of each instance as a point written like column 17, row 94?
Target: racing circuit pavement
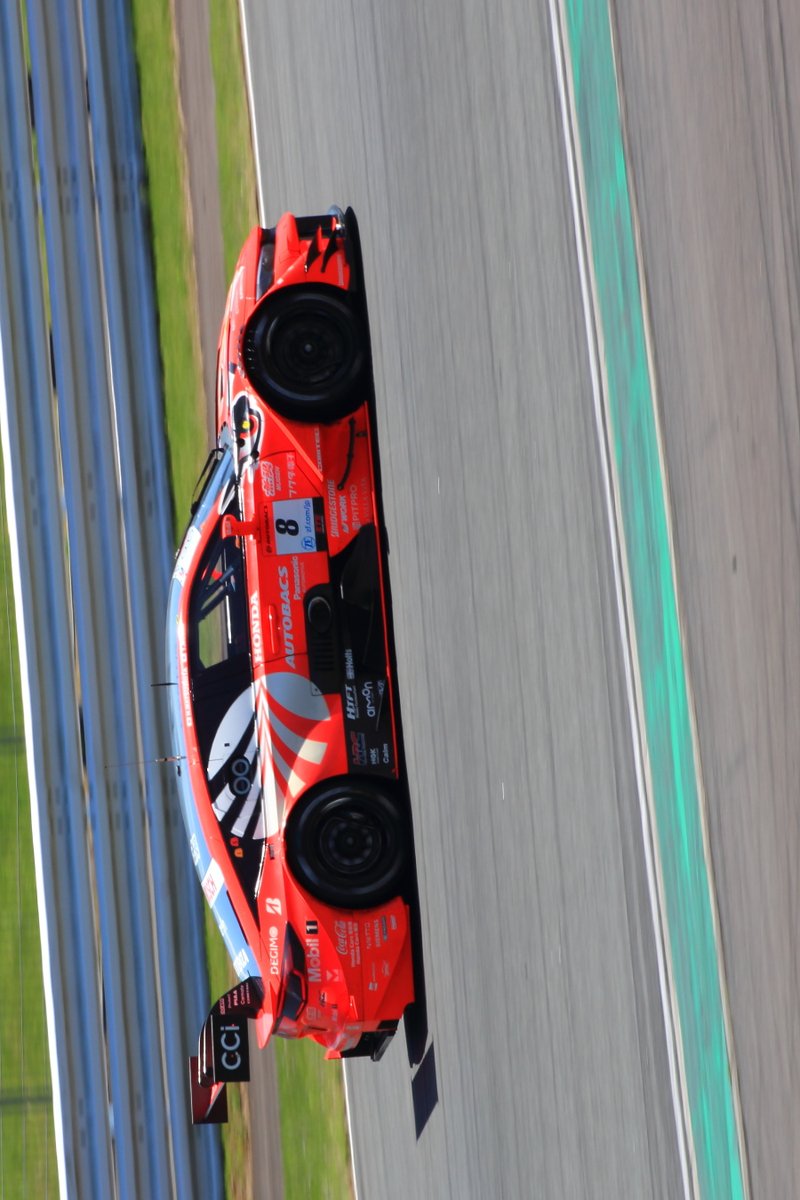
column 545, row 1068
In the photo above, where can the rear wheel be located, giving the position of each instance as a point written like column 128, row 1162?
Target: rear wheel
column 304, row 352
column 347, row 844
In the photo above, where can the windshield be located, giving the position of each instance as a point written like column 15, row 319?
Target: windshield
column 207, row 657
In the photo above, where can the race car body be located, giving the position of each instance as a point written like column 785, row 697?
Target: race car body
column 284, row 713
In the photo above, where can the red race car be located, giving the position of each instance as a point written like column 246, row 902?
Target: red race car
column 284, row 715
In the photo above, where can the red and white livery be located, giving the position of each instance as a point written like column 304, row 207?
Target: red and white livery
column 285, row 715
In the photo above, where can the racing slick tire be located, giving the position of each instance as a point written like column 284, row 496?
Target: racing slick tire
column 305, row 353
column 347, row 844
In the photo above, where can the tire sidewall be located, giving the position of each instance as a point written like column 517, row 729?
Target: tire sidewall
column 382, row 881
column 272, row 319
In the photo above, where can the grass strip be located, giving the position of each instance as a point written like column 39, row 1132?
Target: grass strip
column 314, row 1144
column 238, row 199
column 175, row 279
column 27, row 1136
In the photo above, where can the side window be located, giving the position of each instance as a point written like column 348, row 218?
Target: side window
column 223, row 703
column 219, row 606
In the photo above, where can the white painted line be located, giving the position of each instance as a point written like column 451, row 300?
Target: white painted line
column 41, row 837
column 622, row 591
column 251, row 105
column 350, row 1132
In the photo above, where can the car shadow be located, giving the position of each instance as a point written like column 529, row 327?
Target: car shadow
column 424, row 1091
column 421, row 1054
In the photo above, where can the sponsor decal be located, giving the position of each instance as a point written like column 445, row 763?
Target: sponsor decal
column 256, row 639
column 231, row 1049
column 348, row 942
column 344, row 508
column 355, row 518
column 240, row 963
column 230, row 1042
column 365, row 710
column 183, row 676
column 318, row 446
column 368, row 692
column 312, row 927
column 297, row 576
column 295, row 526
column 287, row 625
column 212, row 882
column 358, row 749
column 270, row 477
column 375, row 933
column 272, row 951
column 333, row 510
column 186, row 553
column 313, row 964
column 351, row 702
column 291, row 474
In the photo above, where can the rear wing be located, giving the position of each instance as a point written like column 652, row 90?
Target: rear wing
column 223, row 1051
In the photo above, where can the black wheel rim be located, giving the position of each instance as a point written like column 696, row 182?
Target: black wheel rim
column 350, row 842
column 308, row 348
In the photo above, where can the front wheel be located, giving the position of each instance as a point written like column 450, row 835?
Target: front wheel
column 347, row 844
column 304, row 352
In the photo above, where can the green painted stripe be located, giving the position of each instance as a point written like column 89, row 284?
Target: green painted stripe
column 679, row 833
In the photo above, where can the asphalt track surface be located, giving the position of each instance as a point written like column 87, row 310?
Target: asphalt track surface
column 544, row 1069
